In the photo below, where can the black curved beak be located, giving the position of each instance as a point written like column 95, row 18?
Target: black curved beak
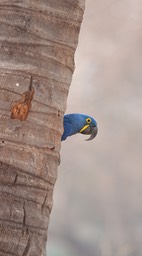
column 93, row 130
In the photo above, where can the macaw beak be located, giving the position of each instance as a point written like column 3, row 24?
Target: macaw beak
column 93, row 130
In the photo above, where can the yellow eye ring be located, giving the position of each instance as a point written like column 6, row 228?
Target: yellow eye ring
column 88, row 120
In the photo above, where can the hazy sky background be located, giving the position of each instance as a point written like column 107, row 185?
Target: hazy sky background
column 97, row 199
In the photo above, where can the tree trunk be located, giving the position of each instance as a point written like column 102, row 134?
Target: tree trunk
column 37, row 44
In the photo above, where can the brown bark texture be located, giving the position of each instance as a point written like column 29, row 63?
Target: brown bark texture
column 37, row 44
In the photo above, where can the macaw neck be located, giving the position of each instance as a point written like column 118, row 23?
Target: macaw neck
column 77, row 123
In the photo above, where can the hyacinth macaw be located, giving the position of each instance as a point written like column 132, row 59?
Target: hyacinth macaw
column 79, row 123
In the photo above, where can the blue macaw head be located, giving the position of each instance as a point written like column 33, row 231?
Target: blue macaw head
column 79, row 123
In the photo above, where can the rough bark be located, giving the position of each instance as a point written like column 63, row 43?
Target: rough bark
column 37, row 44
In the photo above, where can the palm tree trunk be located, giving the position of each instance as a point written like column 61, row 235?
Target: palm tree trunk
column 37, row 44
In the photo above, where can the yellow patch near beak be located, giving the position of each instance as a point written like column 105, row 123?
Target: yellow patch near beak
column 84, row 128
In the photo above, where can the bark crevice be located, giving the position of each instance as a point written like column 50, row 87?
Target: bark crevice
column 27, row 248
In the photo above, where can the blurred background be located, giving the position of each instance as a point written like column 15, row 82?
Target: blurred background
column 97, row 199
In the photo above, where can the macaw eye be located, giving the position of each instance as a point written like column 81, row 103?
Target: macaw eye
column 88, row 120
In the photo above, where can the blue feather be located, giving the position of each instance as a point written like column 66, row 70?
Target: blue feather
column 73, row 123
